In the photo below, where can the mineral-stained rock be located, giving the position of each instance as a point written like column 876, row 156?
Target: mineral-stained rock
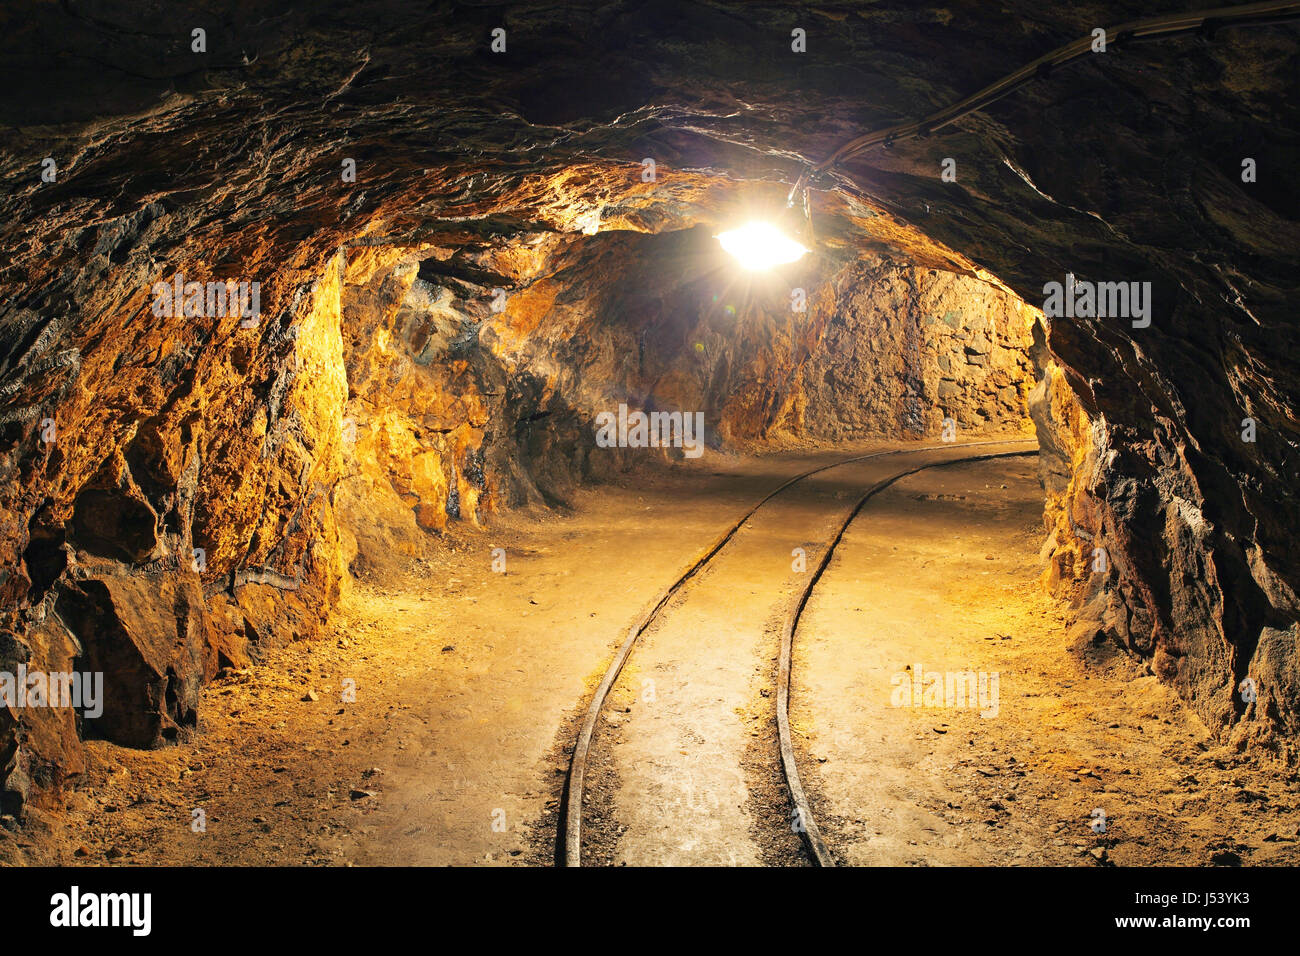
column 148, row 638
column 40, row 747
column 896, row 358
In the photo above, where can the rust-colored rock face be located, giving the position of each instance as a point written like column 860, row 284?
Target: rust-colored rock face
column 463, row 401
column 911, row 348
column 463, row 258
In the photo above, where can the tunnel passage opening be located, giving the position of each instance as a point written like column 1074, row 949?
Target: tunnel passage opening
column 480, row 376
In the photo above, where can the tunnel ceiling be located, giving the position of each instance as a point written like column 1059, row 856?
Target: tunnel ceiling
column 1125, row 166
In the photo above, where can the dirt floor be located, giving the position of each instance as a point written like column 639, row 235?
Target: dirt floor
column 469, row 686
column 938, row 576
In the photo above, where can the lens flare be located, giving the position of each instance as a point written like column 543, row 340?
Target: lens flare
column 758, row 246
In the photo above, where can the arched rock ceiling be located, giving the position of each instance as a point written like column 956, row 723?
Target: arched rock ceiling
column 1125, row 163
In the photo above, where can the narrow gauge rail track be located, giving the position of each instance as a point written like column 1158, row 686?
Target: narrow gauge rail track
column 571, row 818
column 809, row 830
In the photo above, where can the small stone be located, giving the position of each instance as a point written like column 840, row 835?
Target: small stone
column 310, row 696
column 361, row 794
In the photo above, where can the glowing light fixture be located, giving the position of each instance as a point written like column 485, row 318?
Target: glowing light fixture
column 758, row 246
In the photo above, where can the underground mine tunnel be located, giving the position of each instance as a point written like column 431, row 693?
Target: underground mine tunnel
column 649, row 433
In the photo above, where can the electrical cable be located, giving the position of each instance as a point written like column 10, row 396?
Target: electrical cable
column 1205, row 22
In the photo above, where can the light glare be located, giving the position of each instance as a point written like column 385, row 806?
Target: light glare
column 759, row 246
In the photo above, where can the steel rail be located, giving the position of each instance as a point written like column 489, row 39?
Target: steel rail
column 803, row 810
column 571, row 828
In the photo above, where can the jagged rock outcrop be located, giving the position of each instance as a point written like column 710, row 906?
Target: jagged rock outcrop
column 907, row 348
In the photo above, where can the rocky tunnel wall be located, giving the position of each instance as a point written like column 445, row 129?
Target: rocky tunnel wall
column 476, row 376
column 169, row 494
